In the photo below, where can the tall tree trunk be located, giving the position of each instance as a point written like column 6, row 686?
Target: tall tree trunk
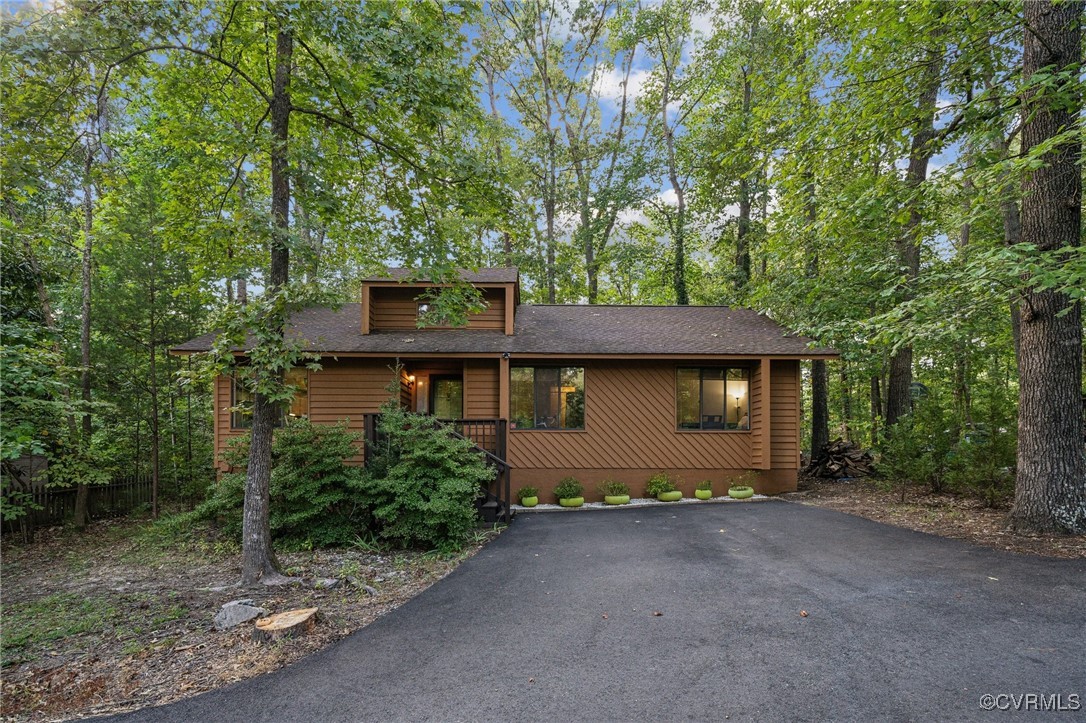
column 1050, row 492
column 820, row 376
column 82, row 494
column 742, row 240
column 258, row 557
column 846, row 399
column 898, row 392
column 876, row 408
column 156, row 436
column 495, row 116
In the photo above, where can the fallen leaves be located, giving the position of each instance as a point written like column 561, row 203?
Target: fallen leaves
column 803, row 613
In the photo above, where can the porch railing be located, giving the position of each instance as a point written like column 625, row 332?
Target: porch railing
column 489, row 438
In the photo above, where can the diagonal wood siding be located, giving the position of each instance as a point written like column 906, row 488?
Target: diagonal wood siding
column 757, row 414
column 629, row 423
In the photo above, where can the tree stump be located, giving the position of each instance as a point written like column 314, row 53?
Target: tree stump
column 285, row 625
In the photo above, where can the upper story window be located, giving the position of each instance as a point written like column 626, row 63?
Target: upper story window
column 546, row 398
column 241, row 400
column 712, row 398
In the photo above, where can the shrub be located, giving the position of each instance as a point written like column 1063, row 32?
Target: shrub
column 982, row 464
column 613, row 488
column 422, row 482
column 567, row 488
column 527, row 492
column 315, row 497
column 705, row 485
column 659, row 482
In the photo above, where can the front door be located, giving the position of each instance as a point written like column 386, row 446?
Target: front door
column 447, row 397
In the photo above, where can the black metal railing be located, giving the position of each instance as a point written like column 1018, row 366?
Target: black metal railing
column 488, row 437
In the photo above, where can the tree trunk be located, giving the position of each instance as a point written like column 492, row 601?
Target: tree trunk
column 876, row 409
column 156, row 436
column 258, row 557
column 82, row 494
column 1050, row 491
column 846, row 399
column 898, row 392
column 820, row 376
column 742, row 241
column 820, row 408
column 489, row 72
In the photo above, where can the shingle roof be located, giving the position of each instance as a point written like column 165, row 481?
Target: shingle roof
column 565, row 329
column 494, row 275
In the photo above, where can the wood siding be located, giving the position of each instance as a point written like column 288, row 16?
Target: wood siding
column 481, row 389
column 397, row 308
column 629, row 423
column 784, row 408
column 757, row 414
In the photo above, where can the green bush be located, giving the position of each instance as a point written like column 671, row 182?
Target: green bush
column 567, row 488
column 527, row 492
column 613, row 488
column 982, row 464
column 316, row 498
column 659, row 482
column 705, row 485
column 422, row 483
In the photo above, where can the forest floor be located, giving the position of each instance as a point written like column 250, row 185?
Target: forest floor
column 946, row 515
column 120, row 617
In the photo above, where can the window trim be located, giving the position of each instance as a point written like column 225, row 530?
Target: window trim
column 568, row 430
column 285, row 412
column 701, row 393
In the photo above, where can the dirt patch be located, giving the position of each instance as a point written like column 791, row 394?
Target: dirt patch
column 946, row 515
column 113, row 619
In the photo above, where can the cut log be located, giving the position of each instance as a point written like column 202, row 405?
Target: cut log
column 840, row 459
column 285, row 625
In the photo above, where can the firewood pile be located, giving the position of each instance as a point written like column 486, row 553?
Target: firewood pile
column 840, row 459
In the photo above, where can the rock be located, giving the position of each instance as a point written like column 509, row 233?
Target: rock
column 285, row 625
column 237, row 612
column 355, row 582
column 326, row 583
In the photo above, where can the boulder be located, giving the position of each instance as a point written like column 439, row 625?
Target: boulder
column 237, row 612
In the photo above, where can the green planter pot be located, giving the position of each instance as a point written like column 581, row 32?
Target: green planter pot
column 529, row 501
column 616, row 499
column 740, row 493
column 670, row 496
column 703, row 494
column 571, row 501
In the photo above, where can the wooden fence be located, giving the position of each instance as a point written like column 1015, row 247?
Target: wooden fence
column 116, row 499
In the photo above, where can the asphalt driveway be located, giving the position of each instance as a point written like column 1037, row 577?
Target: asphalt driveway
column 693, row 612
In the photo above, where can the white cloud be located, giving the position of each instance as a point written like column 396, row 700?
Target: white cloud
column 609, row 84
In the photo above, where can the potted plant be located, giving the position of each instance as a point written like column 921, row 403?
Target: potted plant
column 662, row 488
column 614, row 493
column 742, row 487
column 569, row 492
column 528, row 496
column 704, row 490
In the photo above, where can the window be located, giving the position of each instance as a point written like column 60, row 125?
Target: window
column 241, row 400
column 712, row 398
column 547, row 397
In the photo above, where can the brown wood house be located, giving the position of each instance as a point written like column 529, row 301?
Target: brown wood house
column 596, row 392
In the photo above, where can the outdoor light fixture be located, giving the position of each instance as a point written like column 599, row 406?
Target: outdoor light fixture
column 410, row 378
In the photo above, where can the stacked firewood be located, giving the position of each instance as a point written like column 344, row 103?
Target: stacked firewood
column 840, row 459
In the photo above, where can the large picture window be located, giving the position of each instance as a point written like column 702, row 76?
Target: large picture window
column 713, row 398
column 241, row 400
column 547, row 398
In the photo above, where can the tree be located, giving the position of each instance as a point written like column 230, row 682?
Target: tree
column 1050, row 493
